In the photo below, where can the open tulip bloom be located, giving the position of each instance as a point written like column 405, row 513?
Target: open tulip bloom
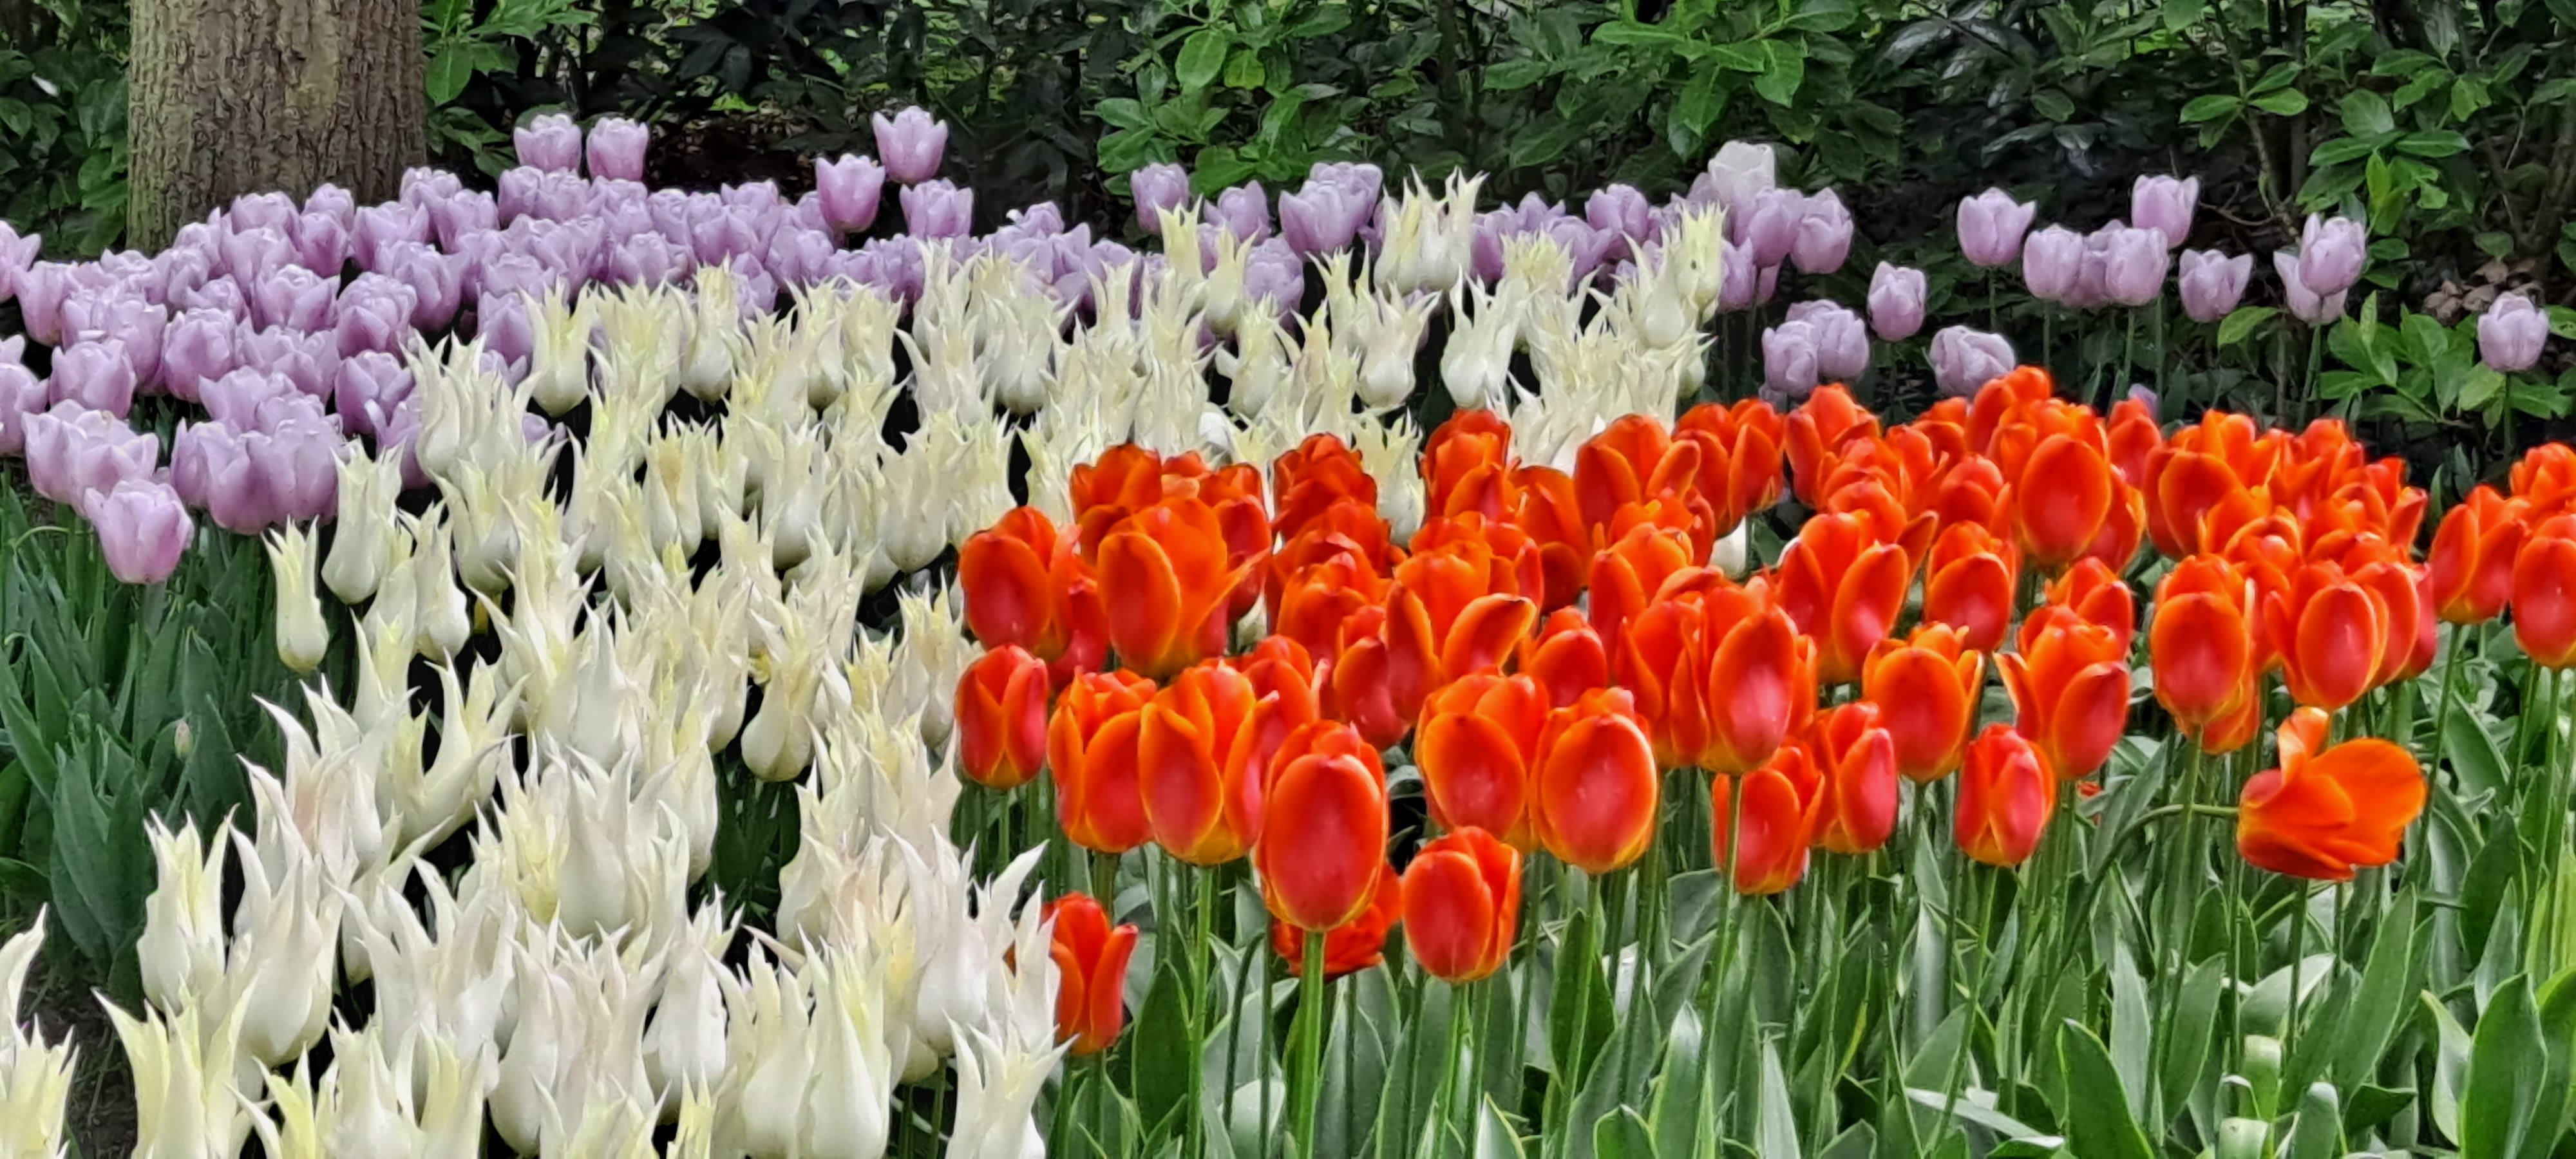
column 691, row 740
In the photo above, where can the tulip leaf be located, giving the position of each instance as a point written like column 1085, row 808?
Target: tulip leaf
column 1858, row 1141
column 1979, row 1107
column 2450, row 1066
column 2473, row 751
column 2099, row 1122
column 2507, row 1109
column 2187, row 1032
column 2317, row 1131
column 1495, row 1136
column 1165, row 1046
column 1622, row 1135
column 1414, row 1085
column 2502, row 961
column 2395, row 965
column 1776, row 1136
column 2241, row 323
column 1579, row 1014
column 1684, row 1109
column 2131, row 1030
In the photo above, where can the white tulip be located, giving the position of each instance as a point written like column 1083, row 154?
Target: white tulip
column 184, row 1102
column 848, row 1107
column 303, row 636
column 684, row 1044
column 713, row 319
column 559, row 361
column 362, row 532
column 182, row 947
column 444, row 624
column 365, row 1103
column 284, row 956
column 1386, row 369
column 473, row 738
column 35, row 1078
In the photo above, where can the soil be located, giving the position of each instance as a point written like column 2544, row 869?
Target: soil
column 100, row 1109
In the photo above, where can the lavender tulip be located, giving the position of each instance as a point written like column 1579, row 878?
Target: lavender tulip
column 252, row 255
column 2135, row 261
column 1740, row 171
column 937, row 209
column 375, row 314
column 798, row 256
column 1738, row 282
column 296, row 298
column 300, row 459
column 184, row 268
column 616, row 148
column 21, row 394
column 1991, row 226
column 2091, row 290
column 1319, row 218
column 1164, row 186
column 321, row 242
column 143, row 529
column 436, row 280
column 1769, row 228
column 2166, row 204
column 331, row 199
column 2051, row 262
column 549, row 142
column 72, row 450
column 311, row 361
column 1841, row 339
column 2511, row 333
column 1244, row 211
column 252, row 211
column 1620, row 211
column 1274, row 274
column 220, row 294
column 230, row 486
column 2332, row 252
column 422, row 185
column 1896, row 302
column 1965, row 359
column 381, row 226
column 369, row 387
column 1824, row 235
column 503, row 324
column 2212, row 283
column 235, row 399
column 851, row 189
column 196, row 346
column 911, row 144
column 16, row 254
column 137, row 324
column 2304, row 304
column 41, row 290
column 1789, row 370
column 648, row 260
column 95, row 376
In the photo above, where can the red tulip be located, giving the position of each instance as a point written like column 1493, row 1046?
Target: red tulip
column 1203, row 752
column 1856, row 758
column 1091, row 964
column 1970, row 584
column 1315, row 477
column 1818, row 428
column 1611, row 468
column 2070, row 687
column 1722, row 677
column 2544, row 593
column 1462, row 905
column 1626, row 575
column 1739, row 457
column 1323, row 843
column 2006, row 796
column 1354, row 945
column 2473, row 554
column 1927, row 687
column 2197, row 468
column 2201, row 647
column 1467, row 466
column 1165, row 576
column 1773, row 820
column 2327, row 810
column 2546, row 478
column 1002, row 718
column 1478, row 749
column 1091, row 747
column 1026, row 585
column 2134, row 437
column 1593, row 800
column 2094, row 590
column 2329, row 633
column 2061, row 499
column 1567, row 658
column 1547, row 509
column 1844, row 587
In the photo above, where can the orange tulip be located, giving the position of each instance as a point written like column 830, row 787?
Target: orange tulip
column 2134, row 437
column 2330, row 634
column 2328, row 810
column 1313, row 478
column 1739, row 457
column 2061, row 499
column 1972, row 490
column 2473, row 554
column 1354, row 945
column 2544, row 593
column 1970, row 584
column 1857, row 760
column 1844, row 587
column 2070, row 689
column 1390, row 663
column 1467, row 466
column 1002, row 718
column 1721, row 676
column 1091, row 748
column 1945, row 426
column 1546, row 508
column 2123, row 529
column 1927, row 687
column 1125, row 479
column 1611, row 468
column 2006, row 796
column 2197, row 468
column 1462, row 905
column 1321, row 598
column 1772, row 823
column 1091, row 963
column 1165, row 576
column 2095, row 591
column 1593, row 801
column 1026, row 585
column 1820, row 427
column 2201, row 646
column 1626, row 575
column 1323, row 846
column 1475, row 555
column 2545, row 477
column 1282, row 667
column 1477, row 750
column 1203, row 749
column 1568, row 658
column 2400, row 589
column 2003, row 400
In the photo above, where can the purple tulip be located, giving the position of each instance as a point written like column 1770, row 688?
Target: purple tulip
column 798, row 257
column 937, row 209
column 1841, row 339
column 41, row 290
column 422, row 185
column 2134, row 265
column 194, row 453
column 220, row 294
column 369, row 387
column 21, row 394
column 1738, row 282
column 1896, row 302
column 321, row 242
column 1991, row 226
column 1163, row 186
column 2304, row 304
column 1965, row 359
column 851, row 189
column 375, row 314
column 514, row 196
column 333, row 200
column 2165, row 203
column 184, row 268
column 1738, row 173
column 143, row 529
column 1360, row 179
column 1770, row 225
column 252, row 255
column 617, row 147
column 1789, row 370
column 551, row 142
column 436, row 280
column 139, row 325
column 510, row 275
column 196, row 346
column 235, row 399
column 468, row 211
column 298, row 468
column 311, row 361
column 2052, row 261
column 1621, row 211
column 253, row 211
column 502, row 322
column 1275, row 274
column 16, row 254
column 648, row 259
column 380, row 226
column 1824, row 235
column 2213, row 282
column 294, row 297
column 1243, row 211
column 718, row 232
column 95, row 376
column 72, row 450
column 2331, row 253
column 759, row 196
column 1320, row 218
column 2511, row 333
column 911, row 144
column 562, row 197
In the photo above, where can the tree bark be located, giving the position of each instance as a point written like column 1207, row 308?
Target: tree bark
column 250, row 96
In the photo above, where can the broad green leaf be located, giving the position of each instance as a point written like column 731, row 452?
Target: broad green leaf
column 2210, row 108
column 2282, row 102
column 2317, row 1132
column 2505, row 1110
column 1823, row 15
column 2392, row 973
column 1622, row 1135
column 1858, row 1141
column 1979, row 1107
column 2185, row 1042
column 1579, row 1014
column 1202, row 57
column 2366, row 114
column 1495, row 1138
column 2472, row 750
column 1784, row 68
column 1683, row 1110
column 2450, row 1065
column 1165, row 1047
column 2240, row 324
column 1413, row 1086
column 2099, row 1122
column 2131, row 1029
column 1776, row 1133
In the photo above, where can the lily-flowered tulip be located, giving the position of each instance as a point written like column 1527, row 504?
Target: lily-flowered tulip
column 143, row 529
column 1478, row 750
column 2329, row 633
column 1844, row 588
column 2544, row 593
column 2165, row 204
column 2006, row 796
column 1002, row 718
column 303, row 635
column 1768, row 815
column 1970, row 585
column 2473, row 554
column 2212, row 283
column 2070, row 687
column 1896, row 302
column 1165, row 579
column 1323, row 842
column 2511, row 333
column 1928, row 687
column 1462, row 905
column 1204, row 748
column 2328, row 810
column 911, row 144
column 1092, row 753
column 1594, row 798
column 1856, row 759
column 1091, row 967
column 1354, row 945
column 2202, row 644
column 1991, row 226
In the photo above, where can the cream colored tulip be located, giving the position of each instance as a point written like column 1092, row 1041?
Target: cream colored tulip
column 184, row 1100
column 363, row 531
column 182, row 948
column 303, row 636
column 35, row 1077
column 559, row 361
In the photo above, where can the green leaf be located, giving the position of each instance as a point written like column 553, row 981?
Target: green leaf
column 1578, row 1011
column 2185, row 1041
column 1243, row 69
column 2385, row 980
column 2210, row 108
column 1622, row 1135
column 446, row 75
column 1202, row 57
column 2181, row 14
column 1495, row 1138
column 1701, row 101
column 2450, row 1063
column 2366, row 114
column 1121, row 112
column 1166, row 1046
column 2052, row 104
column 2338, row 150
column 2506, row 1112
column 2317, row 1132
column 1982, row 1114
column 1517, row 73
column 2240, row 324
column 1784, row 69
column 1776, row 1135
column 2435, row 143
column 2131, row 1027
column 1823, row 15
column 2099, row 1123
column 2282, row 102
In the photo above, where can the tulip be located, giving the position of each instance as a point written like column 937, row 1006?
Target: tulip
column 1478, row 749
column 2328, row 810
column 1720, row 675
column 137, row 325
column 851, row 188
column 1896, row 302
column 2134, row 265
column 1354, row 945
column 1965, row 359
column 938, row 209
column 1091, row 965
column 1243, row 211
column 1824, row 235
column 143, row 528
column 1766, row 225
column 1165, row 579
column 1025, row 585
column 94, row 375
column 2304, row 304
column 2201, row 645
column 71, row 452
column 17, row 254
column 1439, row 624
column 2332, row 252
column 1929, row 687
column 303, row 636
column 1855, row 756
column 1768, row 815
column 2473, row 556
column 1002, row 715
column 911, row 144
column 1567, row 658
column 551, row 142
column 2511, row 333
column 2213, row 282
column 1841, row 342
column 1620, row 211
column 1789, row 370
column 2329, row 633
column 1322, row 848
column 2097, row 595
column 2052, row 262
column 1462, row 905
column 2006, row 796
column 1970, row 585
column 1625, row 575
column 1844, row 588
column 1161, row 188
column 1204, row 747
column 2070, row 687
column 616, row 149
column 2544, row 593
column 1991, row 226
column 1092, row 751
column 1594, row 797
column 2063, row 495
column 2165, row 204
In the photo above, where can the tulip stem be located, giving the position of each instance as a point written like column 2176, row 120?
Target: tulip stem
column 1459, row 1005
column 1968, row 877
column 1310, row 1043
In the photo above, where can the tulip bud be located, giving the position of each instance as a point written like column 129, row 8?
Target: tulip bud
column 1965, row 359
column 911, row 144
column 2304, row 304
column 1769, row 228
column 2165, row 204
column 2511, row 333
column 143, row 528
column 2213, row 282
column 1824, row 235
column 303, row 636
column 1622, row 211
column 851, row 189
column 550, row 142
column 2332, row 252
column 938, row 209
column 182, row 948
column 2006, row 796
column 95, row 376
column 1896, row 302
column 1991, row 226
column 2134, row 264
column 2051, row 263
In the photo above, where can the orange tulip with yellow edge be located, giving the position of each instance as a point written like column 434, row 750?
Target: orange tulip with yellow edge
column 1314, row 477
column 1768, row 816
column 1091, row 965
column 1928, row 687
column 1739, row 469
column 1322, row 850
column 2329, row 634
column 1817, row 429
column 2473, row 554
column 1856, row 757
column 2070, row 689
column 2134, row 438
column 1843, row 587
column 1971, row 584
column 1467, row 466
column 1091, row 750
column 2545, row 478
column 1627, row 574
column 1203, row 749
column 2201, row 647
column 1611, row 468
column 1478, row 749
column 2544, row 593
column 1567, row 658
column 1002, row 718
column 2093, row 590
column 1165, row 577
column 1719, row 674
column 2328, row 809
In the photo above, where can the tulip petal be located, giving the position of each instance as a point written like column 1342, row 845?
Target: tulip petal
column 1449, row 916
column 1596, row 794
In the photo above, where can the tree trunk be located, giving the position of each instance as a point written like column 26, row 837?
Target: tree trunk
column 251, row 96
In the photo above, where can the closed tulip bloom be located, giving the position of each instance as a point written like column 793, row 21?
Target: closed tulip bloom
column 1462, row 905
column 1203, row 747
column 2511, row 333
column 2052, row 263
column 1025, row 585
column 1896, row 302
column 1002, row 717
column 1769, row 225
column 2097, row 594
column 1625, row 575
column 1091, row 965
column 1768, row 815
column 1478, row 749
column 2134, row 437
column 2006, row 796
column 1970, row 585
column 1844, row 588
column 1720, row 676
column 95, row 375
column 2328, row 810
column 1842, row 340
column 1354, row 945
column 2304, row 304
column 1567, row 658
column 1164, row 577
column 616, row 149
column 938, row 209
column 2165, row 204
column 2070, row 689
column 1856, row 758
column 1817, row 431
column 1739, row 469
column 143, row 529
column 2544, row 593
column 1789, row 361
column 1965, row 359
column 1092, row 753
column 2062, row 496
column 2201, row 646
column 2545, row 476
column 551, row 142
column 2134, row 265
column 852, row 189
column 1991, row 226
column 2329, row 633
column 1928, row 687
column 2473, row 556
column 911, row 144
column 1323, row 842
column 2212, row 283
column 1594, row 799
column 1824, row 235
column 1243, row 211
column 2332, row 252
column 1158, row 189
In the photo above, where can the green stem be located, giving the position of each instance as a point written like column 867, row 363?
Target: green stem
column 1459, row 1004
column 1307, row 1077
column 2298, row 950
column 2128, row 359
column 1967, row 1029
column 2163, row 359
